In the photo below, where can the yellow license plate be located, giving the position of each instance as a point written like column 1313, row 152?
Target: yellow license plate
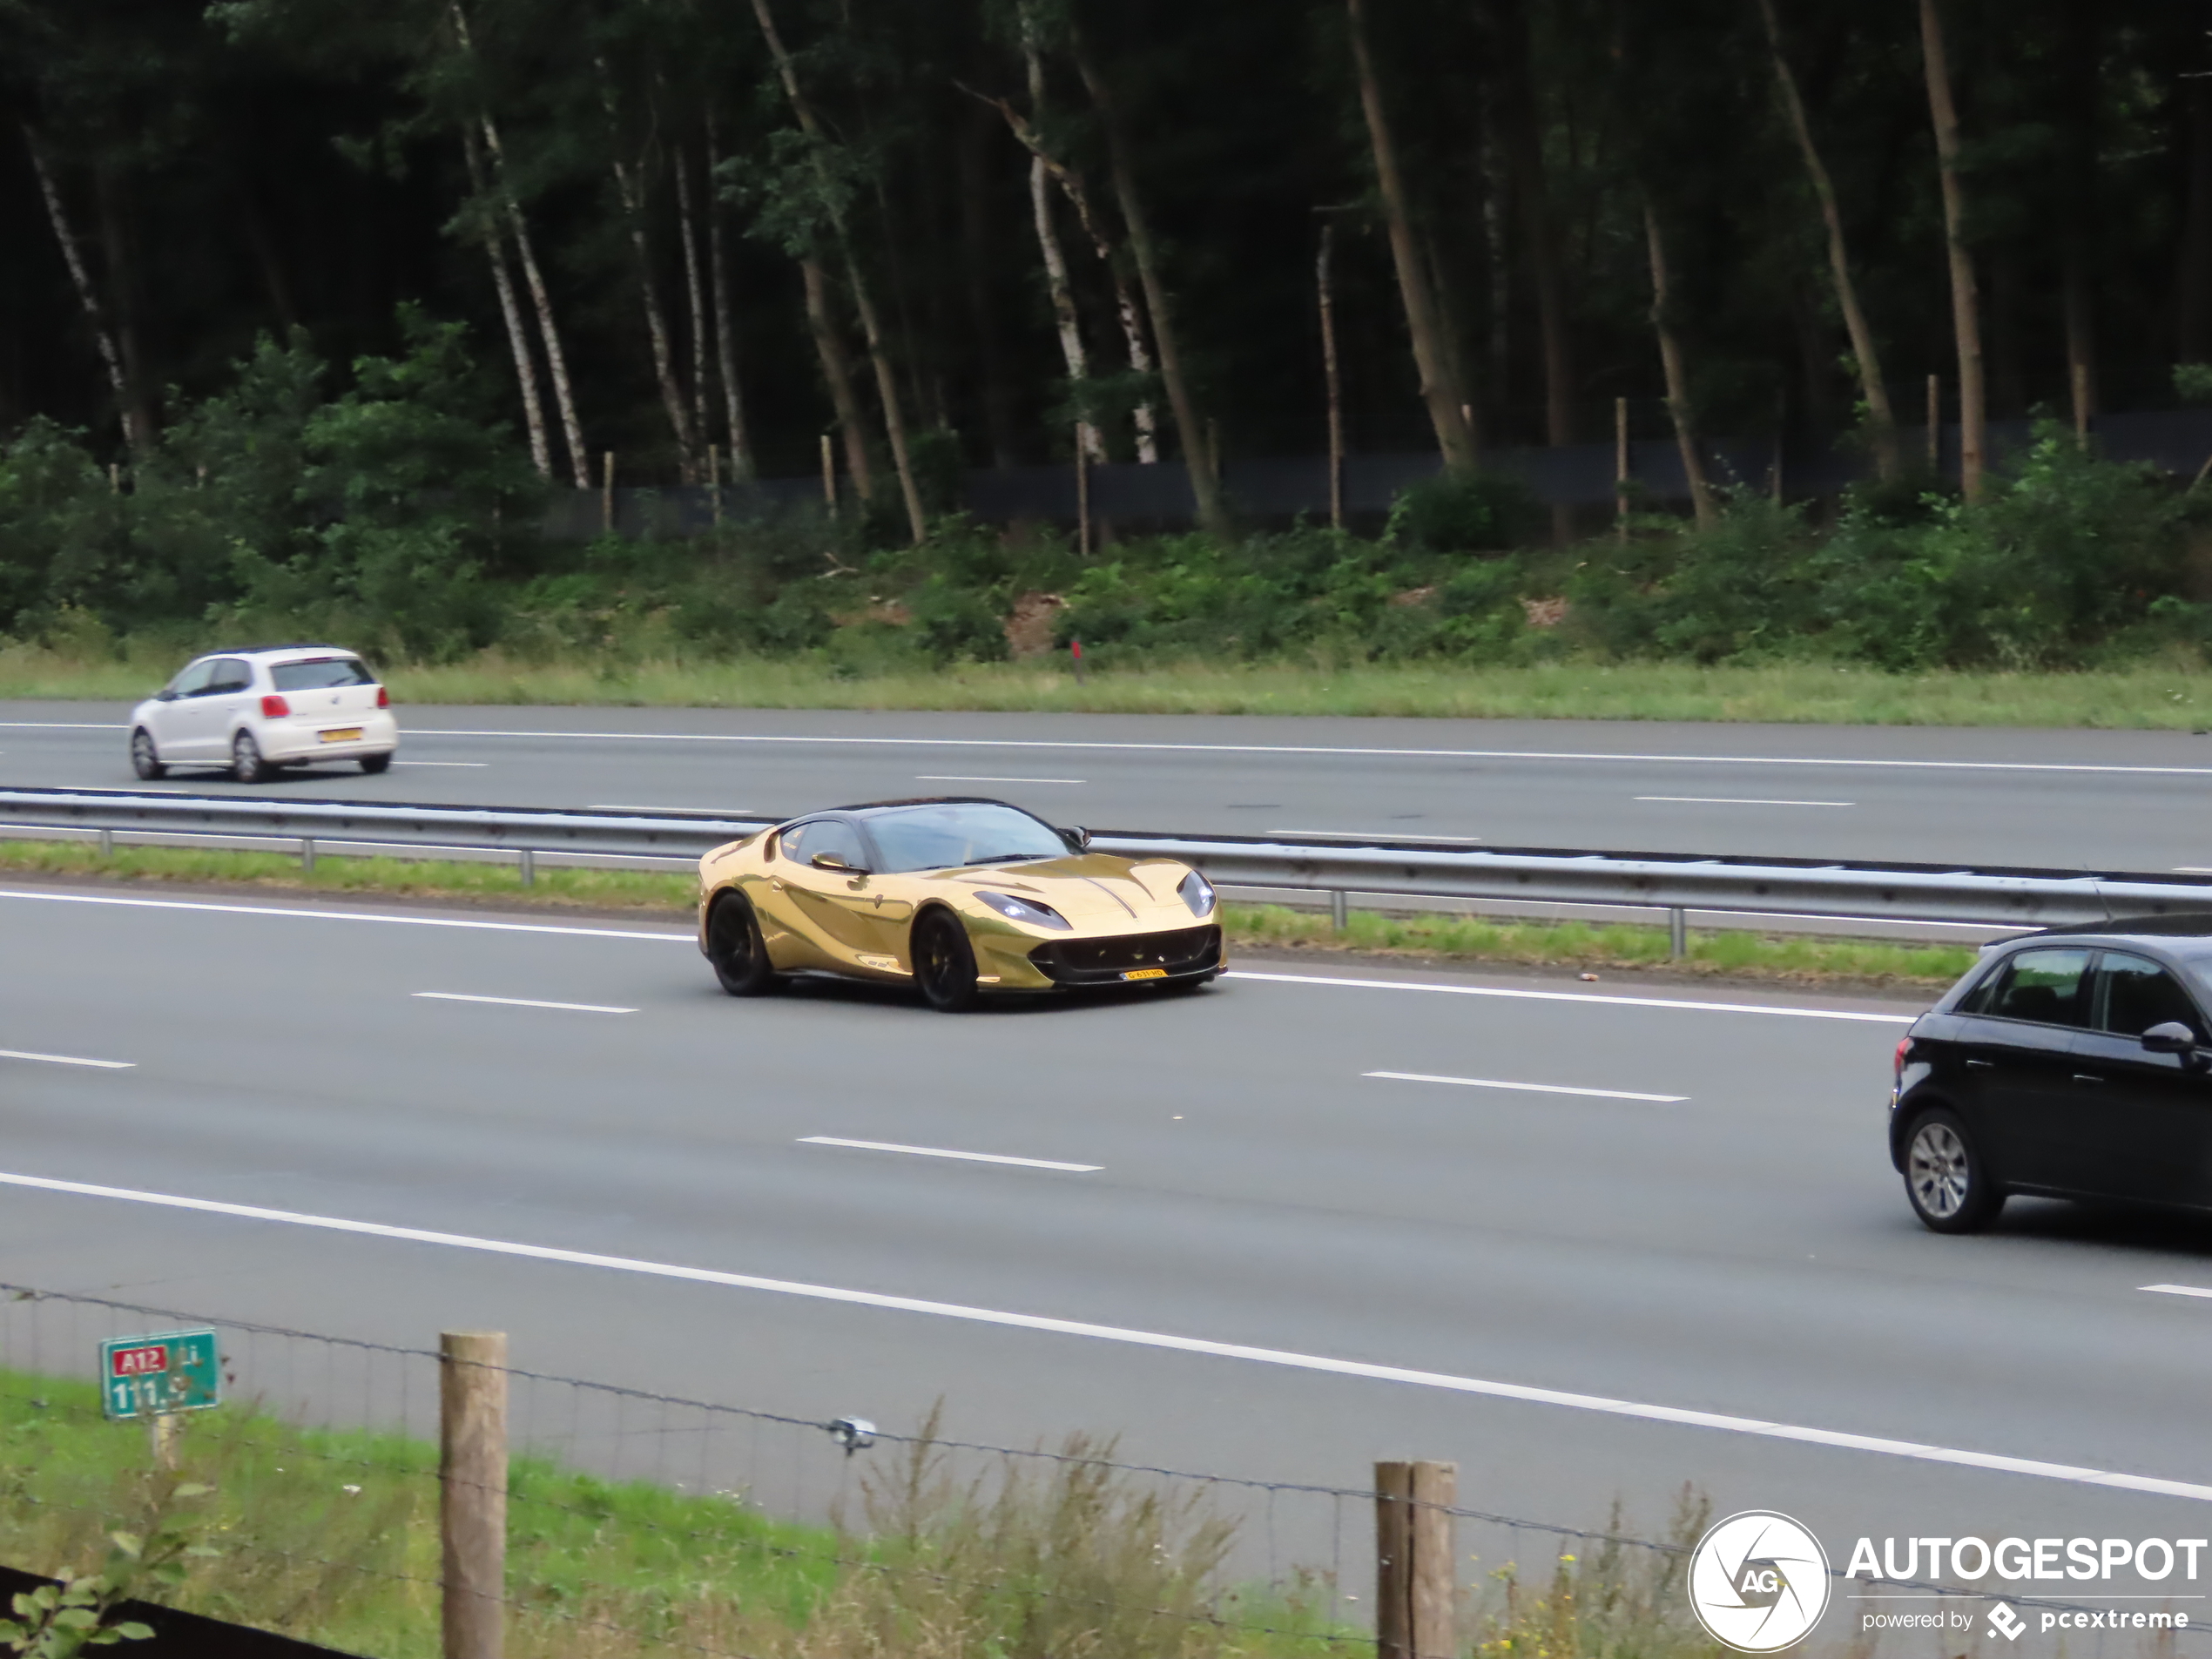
column 347, row 734
column 1146, row 973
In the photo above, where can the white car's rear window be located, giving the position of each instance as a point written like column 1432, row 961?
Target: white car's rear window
column 319, row 671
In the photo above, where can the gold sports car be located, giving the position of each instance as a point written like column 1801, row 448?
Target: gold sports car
column 963, row 898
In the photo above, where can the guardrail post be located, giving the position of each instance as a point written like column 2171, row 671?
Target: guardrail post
column 1416, row 1576
column 308, row 854
column 107, row 843
column 529, row 867
column 1339, row 917
column 472, row 1490
column 1677, row 932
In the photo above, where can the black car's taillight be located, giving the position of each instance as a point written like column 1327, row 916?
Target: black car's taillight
column 1904, row 1048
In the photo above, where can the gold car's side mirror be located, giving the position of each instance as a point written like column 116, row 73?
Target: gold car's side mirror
column 835, row 861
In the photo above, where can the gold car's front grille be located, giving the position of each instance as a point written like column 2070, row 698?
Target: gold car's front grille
column 1102, row 961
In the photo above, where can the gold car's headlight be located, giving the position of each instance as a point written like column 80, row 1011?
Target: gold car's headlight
column 1014, row 909
column 1197, row 892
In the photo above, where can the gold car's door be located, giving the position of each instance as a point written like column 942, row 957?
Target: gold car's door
column 838, row 902
column 787, row 924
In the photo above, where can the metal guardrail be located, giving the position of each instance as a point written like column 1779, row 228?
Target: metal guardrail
column 2006, row 898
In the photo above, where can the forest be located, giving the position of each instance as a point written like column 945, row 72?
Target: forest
column 311, row 307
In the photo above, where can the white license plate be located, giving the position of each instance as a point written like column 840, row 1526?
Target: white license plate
column 343, row 734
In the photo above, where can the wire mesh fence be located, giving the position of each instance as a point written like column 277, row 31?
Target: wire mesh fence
column 643, row 1523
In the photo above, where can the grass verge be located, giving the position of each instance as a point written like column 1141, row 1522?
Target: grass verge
column 1789, row 958
column 2150, row 696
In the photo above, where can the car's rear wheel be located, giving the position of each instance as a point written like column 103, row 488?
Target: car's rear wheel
column 248, row 766
column 1946, row 1178
column 145, row 759
column 736, row 950
column 375, row 764
column 945, row 962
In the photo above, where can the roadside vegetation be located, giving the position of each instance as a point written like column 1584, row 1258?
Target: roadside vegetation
column 1785, row 958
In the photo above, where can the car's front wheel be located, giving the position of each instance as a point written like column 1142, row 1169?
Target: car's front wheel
column 248, row 765
column 1946, row 1178
column 945, row 962
column 145, row 759
column 373, row 763
column 736, row 950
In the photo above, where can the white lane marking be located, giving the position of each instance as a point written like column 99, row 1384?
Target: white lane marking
column 336, row 915
column 1727, row 801
column 520, row 1002
column 2180, row 1289
column 476, row 764
column 1369, row 835
column 69, row 1060
column 1323, row 749
column 702, row 812
column 2192, row 869
column 1572, row 996
column 940, row 1152
column 57, row 725
column 1674, row 1415
column 1533, row 1089
column 1234, row 973
column 951, row 778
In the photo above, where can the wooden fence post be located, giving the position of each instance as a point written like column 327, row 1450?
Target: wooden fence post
column 472, row 1489
column 1621, row 469
column 607, row 493
column 1082, row 486
column 1416, row 1571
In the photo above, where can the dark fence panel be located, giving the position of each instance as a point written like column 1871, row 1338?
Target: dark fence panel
column 1581, row 474
column 181, row 1636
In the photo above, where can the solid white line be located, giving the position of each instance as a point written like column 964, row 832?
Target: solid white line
column 1322, row 749
column 1368, row 835
column 1234, row 973
column 69, row 1060
column 1533, row 1089
column 1573, row 996
column 337, row 915
column 57, row 725
column 726, row 812
column 1674, row 1415
column 949, row 778
column 2180, row 1289
column 477, row 763
column 1723, row 800
column 520, row 1002
column 940, row 1152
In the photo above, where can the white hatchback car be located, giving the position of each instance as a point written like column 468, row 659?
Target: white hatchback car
column 254, row 709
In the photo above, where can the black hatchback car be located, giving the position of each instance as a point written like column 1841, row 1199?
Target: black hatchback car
column 2072, row 1062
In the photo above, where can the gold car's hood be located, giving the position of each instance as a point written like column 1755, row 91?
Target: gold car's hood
column 1092, row 890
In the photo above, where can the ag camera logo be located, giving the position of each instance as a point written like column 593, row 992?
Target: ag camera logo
column 1759, row 1581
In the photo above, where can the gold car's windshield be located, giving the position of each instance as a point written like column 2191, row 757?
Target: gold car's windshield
column 959, row 834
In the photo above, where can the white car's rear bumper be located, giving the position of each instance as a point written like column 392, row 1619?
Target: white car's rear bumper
column 298, row 739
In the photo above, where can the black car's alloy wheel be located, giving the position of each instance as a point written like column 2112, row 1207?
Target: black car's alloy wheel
column 734, row 947
column 1949, row 1184
column 248, row 765
column 145, row 759
column 944, row 963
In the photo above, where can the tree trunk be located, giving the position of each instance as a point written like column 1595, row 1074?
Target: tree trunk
column 630, row 189
column 743, row 463
column 837, row 371
column 1325, row 293
column 1671, row 361
column 1198, row 457
column 1064, row 314
column 123, row 297
column 1441, row 388
column 2193, row 264
column 894, row 419
column 695, row 291
column 979, row 255
column 1966, row 301
column 510, row 312
column 556, row 360
column 1881, row 420
column 2081, row 55
column 87, row 295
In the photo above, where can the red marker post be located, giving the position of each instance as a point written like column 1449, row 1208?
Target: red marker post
column 1075, row 655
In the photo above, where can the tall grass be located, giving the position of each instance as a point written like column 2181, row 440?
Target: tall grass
column 2153, row 696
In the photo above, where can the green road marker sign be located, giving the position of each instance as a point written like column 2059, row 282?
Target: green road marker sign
column 174, row 1371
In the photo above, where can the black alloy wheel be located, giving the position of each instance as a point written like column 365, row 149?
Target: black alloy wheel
column 945, row 962
column 247, row 764
column 373, row 763
column 145, row 759
column 1945, row 1177
column 735, row 950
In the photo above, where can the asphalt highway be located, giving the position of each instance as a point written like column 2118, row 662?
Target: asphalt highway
column 2056, row 799
column 1588, row 1242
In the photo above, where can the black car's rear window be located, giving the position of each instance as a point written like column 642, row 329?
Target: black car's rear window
column 318, row 673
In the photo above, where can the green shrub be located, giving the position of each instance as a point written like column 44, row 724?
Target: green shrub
column 1464, row 511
